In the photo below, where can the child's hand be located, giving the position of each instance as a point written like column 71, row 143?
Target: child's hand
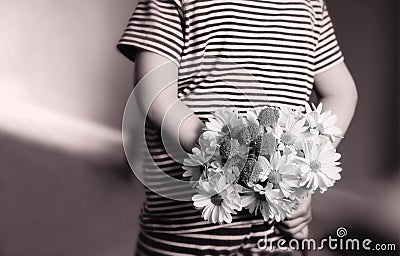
column 297, row 225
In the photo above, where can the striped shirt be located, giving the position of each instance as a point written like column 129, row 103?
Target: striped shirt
column 243, row 53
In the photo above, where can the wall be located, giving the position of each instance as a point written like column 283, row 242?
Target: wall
column 61, row 55
column 65, row 188
column 368, row 34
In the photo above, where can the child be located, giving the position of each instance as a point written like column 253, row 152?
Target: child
column 245, row 53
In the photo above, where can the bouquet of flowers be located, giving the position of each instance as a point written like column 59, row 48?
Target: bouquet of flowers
column 265, row 161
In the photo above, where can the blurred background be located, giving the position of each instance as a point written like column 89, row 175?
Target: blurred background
column 65, row 186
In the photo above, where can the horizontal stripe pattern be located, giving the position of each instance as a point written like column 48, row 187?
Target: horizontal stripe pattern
column 155, row 26
column 245, row 54
column 226, row 241
column 327, row 52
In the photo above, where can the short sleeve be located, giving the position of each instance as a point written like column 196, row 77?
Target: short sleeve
column 327, row 51
column 155, row 26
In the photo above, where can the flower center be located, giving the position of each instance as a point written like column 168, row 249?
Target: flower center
column 274, row 177
column 315, row 165
column 260, row 197
column 288, row 138
column 320, row 128
column 255, row 175
column 225, row 129
column 216, row 199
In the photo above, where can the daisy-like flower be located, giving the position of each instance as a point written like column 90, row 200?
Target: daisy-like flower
column 293, row 132
column 224, row 121
column 299, row 193
column 251, row 116
column 268, row 201
column 322, row 122
column 320, row 169
column 217, row 199
column 200, row 157
column 233, row 170
column 280, row 208
column 287, row 112
column 256, row 202
column 276, row 131
column 282, row 173
column 193, row 163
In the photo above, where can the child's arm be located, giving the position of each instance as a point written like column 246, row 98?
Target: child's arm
column 166, row 110
column 337, row 91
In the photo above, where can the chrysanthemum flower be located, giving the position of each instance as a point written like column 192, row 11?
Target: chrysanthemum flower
column 262, row 169
column 192, row 164
column 268, row 201
column 320, row 169
column 287, row 112
column 251, row 116
column 224, row 121
column 218, row 199
column 282, row 173
column 256, row 202
column 322, row 122
column 293, row 132
column 226, row 169
column 201, row 155
column 299, row 194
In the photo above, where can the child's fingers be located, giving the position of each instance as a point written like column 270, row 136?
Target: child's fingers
column 295, row 226
column 295, row 230
column 288, row 224
column 302, row 234
column 299, row 214
column 302, row 209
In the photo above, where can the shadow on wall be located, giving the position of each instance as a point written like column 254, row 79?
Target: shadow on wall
column 65, row 189
column 62, row 56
